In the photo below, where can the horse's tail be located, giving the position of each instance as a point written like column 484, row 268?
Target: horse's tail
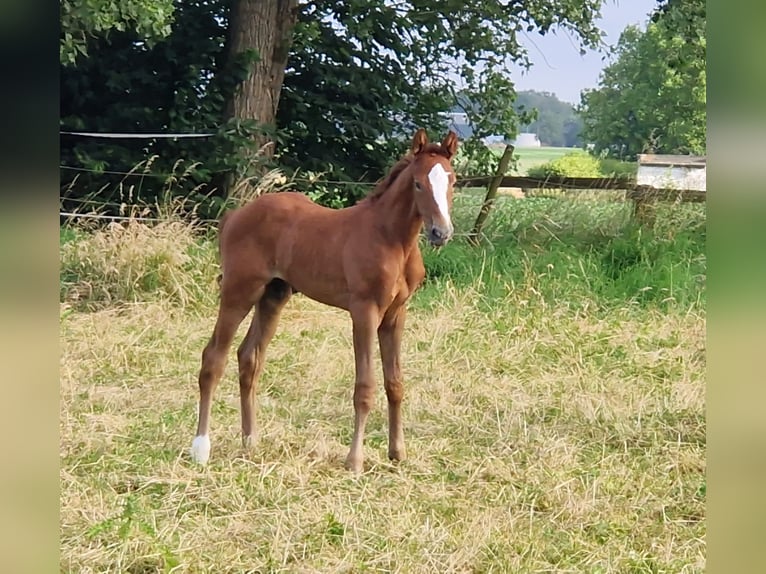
column 221, row 224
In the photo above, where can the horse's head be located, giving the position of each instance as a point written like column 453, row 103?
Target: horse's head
column 434, row 179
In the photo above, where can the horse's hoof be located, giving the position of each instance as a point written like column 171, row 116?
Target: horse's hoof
column 200, row 449
column 354, row 465
column 248, row 442
column 397, row 455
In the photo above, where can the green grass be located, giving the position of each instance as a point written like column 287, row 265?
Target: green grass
column 69, row 234
column 531, row 157
column 554, row 412
column 579, row 251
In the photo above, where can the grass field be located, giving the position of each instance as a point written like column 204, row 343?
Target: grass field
column 529, row 157
column 554, row 409
column 532, row 157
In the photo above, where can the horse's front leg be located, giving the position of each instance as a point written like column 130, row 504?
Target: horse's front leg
column 390, row 336
column 365, row 319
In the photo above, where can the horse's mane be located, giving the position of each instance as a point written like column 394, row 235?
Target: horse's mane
column 384, row 184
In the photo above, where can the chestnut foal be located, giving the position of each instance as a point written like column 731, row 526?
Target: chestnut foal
column 364, row 259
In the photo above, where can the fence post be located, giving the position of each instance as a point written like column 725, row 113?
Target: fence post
column 644, row 207
column 489, row 200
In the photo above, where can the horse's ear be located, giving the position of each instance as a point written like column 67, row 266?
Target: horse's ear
column 419, row 141
column 450, row 143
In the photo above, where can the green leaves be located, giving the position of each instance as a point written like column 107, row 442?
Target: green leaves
column 126, row 85
column 368, row 71
column 652, row 98
column 82, row 19
column 361, row 76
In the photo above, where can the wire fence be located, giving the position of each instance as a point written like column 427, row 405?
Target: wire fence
column 76, row 215
column 169, row 175
column 142, row 219
column 639, row 194
column 132, row 136
column 573, row 183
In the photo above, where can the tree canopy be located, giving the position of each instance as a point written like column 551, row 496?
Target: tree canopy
column 82, row 20
column 652, row 97
column 360, row 75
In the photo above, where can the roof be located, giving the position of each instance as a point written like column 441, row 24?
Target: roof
column 670, row 160
column 464, row 131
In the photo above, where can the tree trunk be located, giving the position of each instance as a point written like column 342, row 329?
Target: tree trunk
column 262, row 28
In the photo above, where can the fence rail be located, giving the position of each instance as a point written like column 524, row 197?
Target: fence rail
column 634, row 190
column 524, row 182
column 642, row 196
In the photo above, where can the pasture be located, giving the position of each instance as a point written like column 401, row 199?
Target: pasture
column 529, row 157
column 554, row 408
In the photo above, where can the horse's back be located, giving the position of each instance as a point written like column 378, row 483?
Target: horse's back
column 267, row 213
column 270, row 204
column 276, row 233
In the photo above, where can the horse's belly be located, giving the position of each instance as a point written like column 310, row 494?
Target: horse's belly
column 333, row 297
column 322, row 284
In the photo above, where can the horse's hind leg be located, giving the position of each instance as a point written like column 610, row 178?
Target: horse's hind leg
column 252, row 351
column 232, row 310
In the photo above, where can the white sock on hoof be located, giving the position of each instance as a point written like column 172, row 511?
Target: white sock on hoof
column 200, row 449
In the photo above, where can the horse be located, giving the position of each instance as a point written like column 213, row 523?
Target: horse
column 364, row 259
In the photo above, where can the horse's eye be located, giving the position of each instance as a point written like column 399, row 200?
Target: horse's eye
column 417, row 186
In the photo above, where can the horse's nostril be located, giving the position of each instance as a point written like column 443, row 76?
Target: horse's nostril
column 436, row 234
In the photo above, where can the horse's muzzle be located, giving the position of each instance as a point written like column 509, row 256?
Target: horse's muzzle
column 438, row 236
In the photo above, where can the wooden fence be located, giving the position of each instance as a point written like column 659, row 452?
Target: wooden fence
column 642, row 196
column 634, row 191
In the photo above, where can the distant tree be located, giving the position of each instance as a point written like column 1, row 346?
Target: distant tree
column 573, row 130
column 652, row 97
column 556, row 123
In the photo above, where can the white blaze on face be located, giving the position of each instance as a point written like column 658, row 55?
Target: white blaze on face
column 439, row 178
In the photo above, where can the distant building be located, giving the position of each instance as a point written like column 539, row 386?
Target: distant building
column 688, row 172
column 494, row 140
column 526, row 139
column 459, row 118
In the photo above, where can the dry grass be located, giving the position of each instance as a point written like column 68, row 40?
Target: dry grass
column 133, row 261
column 540, row 440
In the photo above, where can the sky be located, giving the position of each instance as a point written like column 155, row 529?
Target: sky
column 558, row 67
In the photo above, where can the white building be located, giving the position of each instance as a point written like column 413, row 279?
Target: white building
column 526, row 139
column 687, row 172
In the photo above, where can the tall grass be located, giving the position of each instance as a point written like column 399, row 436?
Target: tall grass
column 134, row 261
column 571, row 250
column 159, row 252
column 578, row 252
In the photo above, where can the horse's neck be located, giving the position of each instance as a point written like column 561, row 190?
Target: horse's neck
column 397, row 211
